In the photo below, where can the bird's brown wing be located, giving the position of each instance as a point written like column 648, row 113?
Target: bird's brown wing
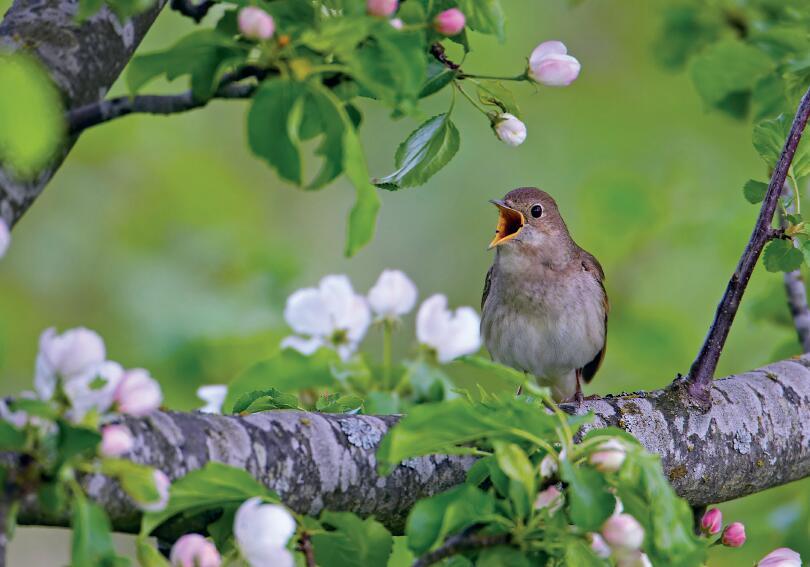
column 487, row 285
column 592, row 266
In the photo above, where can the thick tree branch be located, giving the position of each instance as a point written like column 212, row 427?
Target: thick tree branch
column 83, row 59
column 699, row 380
column 756, row 436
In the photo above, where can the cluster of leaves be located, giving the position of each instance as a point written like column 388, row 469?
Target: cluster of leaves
column 324, row 57
column 49, row 453
column 751, row 59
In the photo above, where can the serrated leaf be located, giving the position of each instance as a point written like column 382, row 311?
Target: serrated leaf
column 589, row 502
column 202, row 54
column 754, row 191
column 431, row 519
column 353, row 542
column 92, row 535
column 727, row 69
column 270, row 397
column 339, row 403
column 781, row 256
column 438, row 77
column 515, row 464
column 769, row 138
column 485, row 16
column 428, row 149
column 215, row 486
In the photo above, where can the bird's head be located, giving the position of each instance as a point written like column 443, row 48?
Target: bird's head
column 528, row 217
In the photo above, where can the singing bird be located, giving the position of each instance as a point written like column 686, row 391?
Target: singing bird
column 544, row 308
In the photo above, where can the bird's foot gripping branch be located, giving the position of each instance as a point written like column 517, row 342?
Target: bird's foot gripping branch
column 490, row 478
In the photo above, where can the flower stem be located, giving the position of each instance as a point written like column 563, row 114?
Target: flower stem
column 521, row 77
column 472, row 101
column 387, row 335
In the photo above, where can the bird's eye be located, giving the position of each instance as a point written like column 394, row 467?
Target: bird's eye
column 537, row 211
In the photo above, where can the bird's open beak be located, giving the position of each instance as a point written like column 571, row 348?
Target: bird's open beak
column 510, row 222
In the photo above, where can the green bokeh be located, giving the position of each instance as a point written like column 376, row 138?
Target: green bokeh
column 169, row 238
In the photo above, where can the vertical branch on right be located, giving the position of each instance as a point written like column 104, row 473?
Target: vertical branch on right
column 795, row 289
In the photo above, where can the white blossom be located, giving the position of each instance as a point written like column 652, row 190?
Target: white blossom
column 214, row 396
column 550, row 498
column 393, row 295
column 116, row 440
column 608, row 456
column 551, row 65
column 449, row 334
column 93, row 390
column 137, row 393
column 76, row 353
column 331, row 315
column 193, row 550
column 781, row 557
column 509, row 129
column 262, row 532
column 623, row 531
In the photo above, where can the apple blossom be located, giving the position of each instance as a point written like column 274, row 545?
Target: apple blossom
column 116, row 440
column 509, row 129
column 5, row 237
column 608, row 456
column 396, row 23
column 137, row 393
column 450, row 22
column 214, row 396
column 623, row 531
column 193, row 550
column 262, row 532
column 550, row 498
column 551, row 65
column 331, row 315
column 781, row 557
column 633, row 559
column 712, row 522
column 255, row 23
column 94, row 390
column 734, row 535
column 381, row 8
column 450, row 335
column 598, row 545
column 548, row 466
column 393, row 295
column 73, row 354
column 162, row 484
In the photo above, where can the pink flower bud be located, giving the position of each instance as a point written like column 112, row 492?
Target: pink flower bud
column 450, row 22
column 633, row 559
column 193, row 550
column 623, row 531
column 162, row 484
column 551, row 65
column 396, row 23
column 5, row 237
column 712, row 522
column 137, row 393
column 509, row 129
column 734, row 535
column 550, row 498
column 782, row 557
column 609, row 456
column 255, row 23
column 598, row 545
column 116, row 440
column 381, row 8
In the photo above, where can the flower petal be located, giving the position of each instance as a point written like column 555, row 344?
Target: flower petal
column 545, row 49
column 302, row 345
column 307, row 313
column 394, row 294
column 463, row 335
column 432, row 321
column 337, row 295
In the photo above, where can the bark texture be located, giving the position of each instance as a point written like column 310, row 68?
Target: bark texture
column 83, row 59
column 756, row 436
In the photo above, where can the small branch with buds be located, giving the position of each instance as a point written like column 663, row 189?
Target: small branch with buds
column 699, row 381
column 464, row 541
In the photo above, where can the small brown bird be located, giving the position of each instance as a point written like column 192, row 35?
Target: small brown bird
column 544, row 309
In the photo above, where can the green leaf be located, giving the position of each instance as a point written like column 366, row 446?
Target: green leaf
column 35, row 408
column 382, row 403
column 781, row 256
column 363, row 216
column 438, row 77
column 506, row 556
column 137, row 480
column 92, row 536
column 148, row 556
column 11, row 438
column 352, row 543
column 214, row 486
column 286, row 371
column 202, row 54
column 769, row 139
column 434, row 518
column 589, row 503
column 496, row 95
column 339, row 403
column 579, row 553
column 754, row 191
column 726, row 69
column 428, row 382
column 75, row 441
column 425, row 152
column 515, row 464
column 30, row 113
column 264, row 400
column 485, row 16
column 501, row 371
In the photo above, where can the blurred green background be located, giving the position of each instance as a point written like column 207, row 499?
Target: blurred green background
column 171, row 240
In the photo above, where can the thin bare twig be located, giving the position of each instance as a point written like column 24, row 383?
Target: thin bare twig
column 795, row 289
column 701, row 374
column 464, row 541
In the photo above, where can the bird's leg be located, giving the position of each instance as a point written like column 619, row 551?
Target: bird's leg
column 578, row 394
